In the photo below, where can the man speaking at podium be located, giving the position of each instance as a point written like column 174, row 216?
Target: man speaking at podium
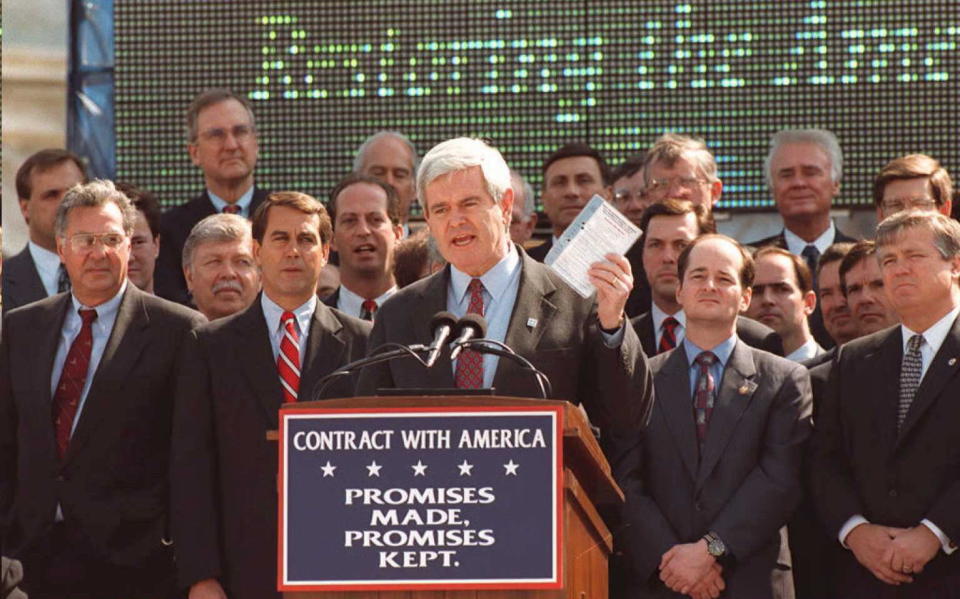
column 586, row 348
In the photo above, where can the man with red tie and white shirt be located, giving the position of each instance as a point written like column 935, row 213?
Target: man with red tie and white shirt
column 235, row 374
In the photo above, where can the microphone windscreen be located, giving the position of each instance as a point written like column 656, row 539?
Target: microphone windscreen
column 476, row 322
column 440, row 319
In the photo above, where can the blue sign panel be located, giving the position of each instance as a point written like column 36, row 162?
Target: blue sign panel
column 420, row 498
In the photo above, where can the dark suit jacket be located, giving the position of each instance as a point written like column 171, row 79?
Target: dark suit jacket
column 175, row 227
column 744, row 486
column 613, row 384
column 817, row 327
column 223, row 473
column 113, row 481
column 21, row 281
column 753, row 333
column 861, row 464
column 332, row 299
column 539, row 253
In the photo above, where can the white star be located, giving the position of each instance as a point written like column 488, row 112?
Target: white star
column 511, row 468
column 465, row 468
column 374, row 469
column 419, row 469
column 328, row 469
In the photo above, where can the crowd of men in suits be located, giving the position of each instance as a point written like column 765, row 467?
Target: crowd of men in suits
column 778, row 413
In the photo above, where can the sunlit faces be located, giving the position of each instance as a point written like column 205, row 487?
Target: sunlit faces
column 866, row 297
column 363, row 235
column 46, row 190
column 778, row 301
column 909, row 194
column 683, row 180
column 389, row 159
column 226, row 145
column 222, row 277
column 469, row 226
column 291, row 255
column 801, row 179
column 837, row 318
column 710, row 291
column 917, row 279
column 144, row 249
column 96, row 272
column 568, row 184
column 666, row 236
column 630, row 196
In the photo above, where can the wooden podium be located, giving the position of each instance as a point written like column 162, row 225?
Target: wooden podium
column 589, row 490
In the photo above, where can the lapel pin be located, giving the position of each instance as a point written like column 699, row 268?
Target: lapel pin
column 743, row 389
column 952, row 361
column 531, row 322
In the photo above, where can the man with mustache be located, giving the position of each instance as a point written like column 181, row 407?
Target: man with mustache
column 218, row 265
column 783, row 298
column 222, row 142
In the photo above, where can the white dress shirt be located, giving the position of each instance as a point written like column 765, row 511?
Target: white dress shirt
column 350, row 303
column 659, row 316
column 272, row 313
column 48, row 267
column 795, row 244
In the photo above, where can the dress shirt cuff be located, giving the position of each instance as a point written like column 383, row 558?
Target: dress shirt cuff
column 948, row 547
column 614, row 339
column 848, row 526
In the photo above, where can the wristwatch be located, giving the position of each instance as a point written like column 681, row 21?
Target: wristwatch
column 715, row 545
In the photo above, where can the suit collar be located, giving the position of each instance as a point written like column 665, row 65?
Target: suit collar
column 123, row 349
column 326, row 349
column 532, row 314
column 736, row 390
column 674, row 398
column 943, row 367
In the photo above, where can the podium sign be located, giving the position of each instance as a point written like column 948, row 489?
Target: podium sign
column 420, row 498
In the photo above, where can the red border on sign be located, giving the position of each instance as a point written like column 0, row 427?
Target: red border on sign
column 440, row 584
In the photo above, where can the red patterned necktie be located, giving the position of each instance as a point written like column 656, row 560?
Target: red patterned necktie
column 288, row 360
column 231, row 209
column 66, row 398
column 367, row 309
column 668, row 340
column 470, row 363
column 703, row 396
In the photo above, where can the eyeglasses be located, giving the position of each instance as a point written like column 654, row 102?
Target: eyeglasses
column 898, row 205
column 688, row 183
column 218, row 135
column 85, row 242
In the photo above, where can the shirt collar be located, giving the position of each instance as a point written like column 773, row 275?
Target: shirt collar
column 349, row 298
column 659, row 316
column 495, row 281
column 104, row 310
column 722, row 350
column 808, row 350
column 272, row 313
column 935, row 334
column 243, row 201
column 795, row 244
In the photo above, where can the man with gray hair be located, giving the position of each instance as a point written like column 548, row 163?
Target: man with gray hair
column 523, row 219
column 391, row 157
column 464, row 186
column 86, row 381
column 803, row 170
column 884, row 463
column 218, row 265
column 680, row 166
column 222, row 141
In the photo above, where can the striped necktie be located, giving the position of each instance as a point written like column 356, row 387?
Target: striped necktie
column 288, row 359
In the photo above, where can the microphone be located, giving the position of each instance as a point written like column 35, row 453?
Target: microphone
column 471, row 326
column 441, row 326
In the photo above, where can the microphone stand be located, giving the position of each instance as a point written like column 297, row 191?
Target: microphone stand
column 376, row 357
column 490, row 346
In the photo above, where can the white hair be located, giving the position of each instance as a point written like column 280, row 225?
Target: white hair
column 367, row 143
column 826, row 140
column 529, row 202
column 462, row 153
